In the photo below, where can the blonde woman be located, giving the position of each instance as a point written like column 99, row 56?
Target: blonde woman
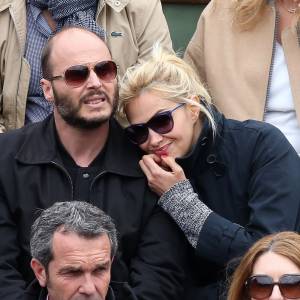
column 270, row 270
column 226, row 183
column 247, row 52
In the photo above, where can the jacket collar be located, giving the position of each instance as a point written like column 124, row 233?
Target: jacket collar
column 4, row 4
column 110, row 294
column 40, row 147
column 116, row 5
column 35, row 291
column 18, row 13
column 204, row 154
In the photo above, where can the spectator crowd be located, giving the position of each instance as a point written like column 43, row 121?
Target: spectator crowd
column 128, row 172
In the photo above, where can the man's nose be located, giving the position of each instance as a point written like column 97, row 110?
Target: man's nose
column 93, row 79
column 87, row 286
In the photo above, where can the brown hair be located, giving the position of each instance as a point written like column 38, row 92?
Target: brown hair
column 285, row 243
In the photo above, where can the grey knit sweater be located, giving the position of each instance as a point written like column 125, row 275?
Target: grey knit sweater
column 185, row 207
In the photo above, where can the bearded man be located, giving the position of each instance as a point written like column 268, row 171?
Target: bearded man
column 80, row 153
column 127, row 25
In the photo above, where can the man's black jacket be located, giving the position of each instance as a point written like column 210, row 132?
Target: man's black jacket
column 32, row 177
column 116, row 291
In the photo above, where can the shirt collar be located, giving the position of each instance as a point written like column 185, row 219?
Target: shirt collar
column 36, row 12
column 121, row 158
column 117, row 5
column 205, row 151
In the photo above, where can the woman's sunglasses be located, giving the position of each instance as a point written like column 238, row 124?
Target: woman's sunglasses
column 77, row 75
column 161, row 123
column 261, row 286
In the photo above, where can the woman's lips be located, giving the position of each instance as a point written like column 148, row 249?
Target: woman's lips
column 163, row 151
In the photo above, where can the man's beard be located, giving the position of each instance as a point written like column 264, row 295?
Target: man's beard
column 70, row 112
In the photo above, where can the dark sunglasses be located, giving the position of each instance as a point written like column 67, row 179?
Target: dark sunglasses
column 261, row 286
column 77, row 75
column 161, row 123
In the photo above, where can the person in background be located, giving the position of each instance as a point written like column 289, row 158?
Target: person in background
column 270, row 270
column 246, row 53
column 226, row 183
column 129, row 27
column 81, row 153
column 72, row 245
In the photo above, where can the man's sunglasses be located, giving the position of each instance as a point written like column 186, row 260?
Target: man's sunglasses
column 77, row 75
column 161, row 123
column 261, row 286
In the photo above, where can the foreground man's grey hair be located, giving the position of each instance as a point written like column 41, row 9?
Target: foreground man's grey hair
column 79, row 217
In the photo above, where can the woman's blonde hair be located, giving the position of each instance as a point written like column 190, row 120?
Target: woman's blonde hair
column 247, row 13
column 169, row 77
column 285, row 243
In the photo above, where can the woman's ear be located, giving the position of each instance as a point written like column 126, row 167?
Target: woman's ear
column 47, row 89
column 194, row 109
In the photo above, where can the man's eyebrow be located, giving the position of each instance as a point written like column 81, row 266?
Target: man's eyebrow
column 102, row 264
column 68, row 269
column 71, row 268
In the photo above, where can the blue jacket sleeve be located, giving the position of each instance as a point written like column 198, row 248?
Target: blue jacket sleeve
column 273, row 202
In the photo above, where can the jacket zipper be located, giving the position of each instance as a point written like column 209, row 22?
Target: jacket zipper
column 68, row 175
column 95, row 178
column 70, row 179
column 272, row 62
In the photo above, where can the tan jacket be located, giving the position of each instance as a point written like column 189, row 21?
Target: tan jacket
column 132, row 26
column 235, row 65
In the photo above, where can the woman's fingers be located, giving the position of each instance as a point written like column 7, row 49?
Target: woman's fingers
column 174, row 167
column 151, row 169
column 151, row 163
column 171, row 163
column 151, row 160
column 145, row 169
column 159, row 179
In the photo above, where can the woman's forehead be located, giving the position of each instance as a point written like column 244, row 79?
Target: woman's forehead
column 145, row 106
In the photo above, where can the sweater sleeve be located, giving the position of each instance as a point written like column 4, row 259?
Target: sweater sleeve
column 185, row 207
column 272, row 200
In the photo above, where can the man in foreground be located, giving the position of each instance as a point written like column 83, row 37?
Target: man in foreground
column 72, row 246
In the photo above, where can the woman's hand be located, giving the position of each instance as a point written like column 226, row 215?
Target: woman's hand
column 162, row 172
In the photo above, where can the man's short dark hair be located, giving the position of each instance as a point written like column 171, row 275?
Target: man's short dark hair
column 46, row 53
column 80, row 217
